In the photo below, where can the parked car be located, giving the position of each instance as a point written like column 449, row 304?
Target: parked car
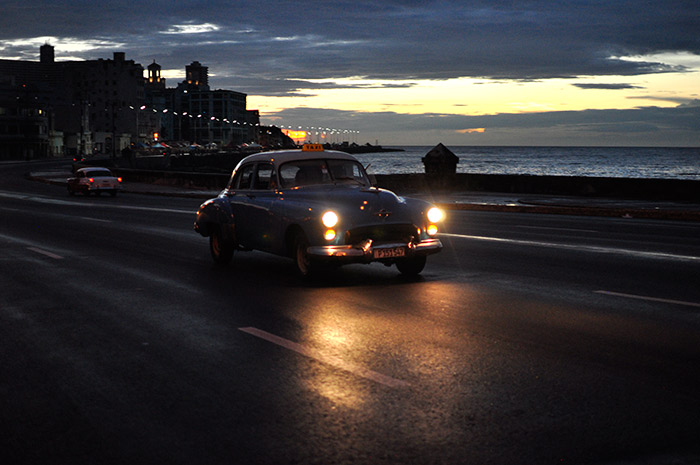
column 317, row 207
column 94, row 179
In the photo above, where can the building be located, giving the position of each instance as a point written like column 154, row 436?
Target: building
column 66, row 108
column 102, row 96
column 194, row 113
column 24, row 123
column 88, row 104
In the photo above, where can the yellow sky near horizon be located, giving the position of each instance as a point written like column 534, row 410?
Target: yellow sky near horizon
column 473, row 97
column 483, row 97
column 467, row 96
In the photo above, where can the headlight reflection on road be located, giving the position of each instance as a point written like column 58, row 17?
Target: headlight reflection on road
column 357, row 335
column 335, row 328
column 337, row 339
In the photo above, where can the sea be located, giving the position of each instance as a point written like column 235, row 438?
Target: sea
column 609, row 162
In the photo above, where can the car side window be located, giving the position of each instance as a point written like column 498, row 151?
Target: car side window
column 264, row 177
column 244, row 177
column 288, row 173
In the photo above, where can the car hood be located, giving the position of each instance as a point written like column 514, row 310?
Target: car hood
column 360, row 205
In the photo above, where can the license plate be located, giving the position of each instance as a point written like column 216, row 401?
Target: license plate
column 390, row 252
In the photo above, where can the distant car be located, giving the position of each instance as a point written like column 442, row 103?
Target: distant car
column 95, row 179
column 317, row 207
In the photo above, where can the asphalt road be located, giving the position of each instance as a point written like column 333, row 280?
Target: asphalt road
column 531, row 339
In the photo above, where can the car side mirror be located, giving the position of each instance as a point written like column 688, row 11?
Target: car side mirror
column 373, row 180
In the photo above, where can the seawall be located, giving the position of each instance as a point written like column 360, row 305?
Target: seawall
column 627, row 188
column 623, row 188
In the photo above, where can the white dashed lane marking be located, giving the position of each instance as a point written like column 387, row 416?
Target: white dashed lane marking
column 327, row 359
column 45, row 253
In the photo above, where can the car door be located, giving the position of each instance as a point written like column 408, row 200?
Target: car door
column 238, row 199
column 260, row 200
column 256, row 227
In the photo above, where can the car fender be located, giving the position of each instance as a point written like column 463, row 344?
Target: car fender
column 295, row 220
column 418, row 206
column 304, row 216
column 214, row 212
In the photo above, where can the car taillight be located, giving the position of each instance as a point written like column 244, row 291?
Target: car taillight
column 91, row 180
column 119, row 179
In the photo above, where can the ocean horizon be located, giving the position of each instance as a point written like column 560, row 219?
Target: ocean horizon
column 608, row 162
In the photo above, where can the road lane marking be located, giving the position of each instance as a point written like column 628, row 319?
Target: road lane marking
column 651, row 299
column 327, row 359
column 583, row 248
column 45, row 252
column 31, row 245
column 556, row 229
column 53, row 201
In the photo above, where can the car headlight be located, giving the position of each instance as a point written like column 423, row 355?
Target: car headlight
column 435, row 215
column 329, row 219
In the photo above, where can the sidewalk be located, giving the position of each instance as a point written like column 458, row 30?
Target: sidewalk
column 486, row 201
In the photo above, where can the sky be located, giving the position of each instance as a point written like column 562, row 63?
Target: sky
column 491, row 72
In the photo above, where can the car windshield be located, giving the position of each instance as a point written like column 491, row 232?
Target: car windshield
column 316, row 172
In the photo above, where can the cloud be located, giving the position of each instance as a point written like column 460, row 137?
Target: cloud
column 297, row 87
column 607, row 86
column 691, row 104
column 191, row 28
column 392, row 40
column 68, row 47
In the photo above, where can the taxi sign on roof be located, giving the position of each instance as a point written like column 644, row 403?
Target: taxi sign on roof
column 312, row 148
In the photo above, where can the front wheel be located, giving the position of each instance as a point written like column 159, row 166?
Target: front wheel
column 221, row 247
column 305, row 267
column 411, row 266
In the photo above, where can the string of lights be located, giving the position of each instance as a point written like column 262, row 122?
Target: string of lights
column 309, row 130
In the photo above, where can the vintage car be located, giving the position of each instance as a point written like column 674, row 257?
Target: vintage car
column 319, row 208
column 94, row 179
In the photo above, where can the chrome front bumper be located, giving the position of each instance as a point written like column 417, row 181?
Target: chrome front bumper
column 365, row 250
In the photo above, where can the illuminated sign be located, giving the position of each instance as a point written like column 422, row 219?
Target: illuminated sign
column 296, row 135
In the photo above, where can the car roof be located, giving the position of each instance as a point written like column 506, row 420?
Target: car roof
column 281, row 156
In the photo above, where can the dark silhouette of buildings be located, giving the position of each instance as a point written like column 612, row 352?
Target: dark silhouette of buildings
column 193, row 112
column 59, row 108
column 86, row 105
